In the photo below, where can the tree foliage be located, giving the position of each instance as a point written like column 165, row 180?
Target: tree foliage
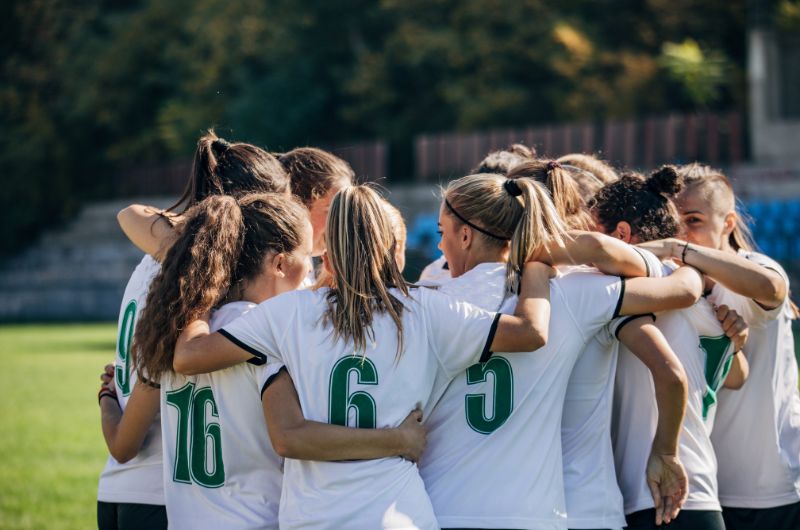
column 92, row 86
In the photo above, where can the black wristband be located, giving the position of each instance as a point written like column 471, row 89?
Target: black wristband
column 683, row 254
column 107, row 393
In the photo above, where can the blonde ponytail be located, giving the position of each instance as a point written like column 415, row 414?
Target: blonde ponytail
column 361, row 251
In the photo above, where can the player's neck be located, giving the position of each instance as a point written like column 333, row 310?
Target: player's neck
column 483, row 255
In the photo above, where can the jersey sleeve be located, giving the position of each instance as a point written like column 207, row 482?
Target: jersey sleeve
column 459, row 334
column 261, row 330
column 266, row 373
column 594, row 299
column 653, row 266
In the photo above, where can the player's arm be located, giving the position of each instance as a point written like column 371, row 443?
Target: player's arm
column 666, row 476
column 526, row 329
column 735, row 329
column 610, row 256
column 740, row 275
column 198, row 351
column 125, row 433
column 149, row 228
column 293, row 436
column 679, row 290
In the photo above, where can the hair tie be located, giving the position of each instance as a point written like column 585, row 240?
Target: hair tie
column 553, row 164
column 512, row 187
column 220, row 146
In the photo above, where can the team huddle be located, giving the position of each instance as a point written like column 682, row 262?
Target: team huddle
column 593, row 350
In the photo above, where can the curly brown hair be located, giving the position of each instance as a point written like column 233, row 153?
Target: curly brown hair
column 221, row 243
column 646, row 204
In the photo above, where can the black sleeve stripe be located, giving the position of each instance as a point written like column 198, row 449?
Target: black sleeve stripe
column 646, row 263
column 629, row 319
column 487, row 348
column 149, row 383
column 271, row 379
column 446, row 266
column 258, row 357
column 621, row 297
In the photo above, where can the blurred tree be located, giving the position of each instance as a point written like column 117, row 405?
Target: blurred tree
column 92, row 86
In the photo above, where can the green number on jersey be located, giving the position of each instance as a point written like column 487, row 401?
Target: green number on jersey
column 718, row 364
column 123, row 373
column 193, row 462
column 340, row 400
column 502, row 395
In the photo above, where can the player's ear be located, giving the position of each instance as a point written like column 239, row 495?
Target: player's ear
column 623, row 231
column 326, row 263
column 729, row 223
column 466, row 235
column 277, row 265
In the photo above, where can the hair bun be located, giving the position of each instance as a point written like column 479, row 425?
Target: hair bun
column 665, row 180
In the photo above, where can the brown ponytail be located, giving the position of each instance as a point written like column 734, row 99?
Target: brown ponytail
column 221, row 243
column 501, row 162
column 563, row 190
column 223, row 168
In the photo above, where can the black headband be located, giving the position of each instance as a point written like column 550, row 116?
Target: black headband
column 476, row 227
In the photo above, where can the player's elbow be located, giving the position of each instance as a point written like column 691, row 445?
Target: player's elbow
column 182, row 364
column 772, row 290
column 688, row 290
column 284, row 445
column 123, row 454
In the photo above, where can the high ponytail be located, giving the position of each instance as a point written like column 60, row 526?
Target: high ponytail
column 540, row 224
column 220, row 167
column 503, row 210
column 563, row 190
column 194, row 277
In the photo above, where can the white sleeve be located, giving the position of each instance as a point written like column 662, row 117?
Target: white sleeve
column 261, row 330
column 459, row 334
column 594, row 299
column 266, row 373
column 653, row 265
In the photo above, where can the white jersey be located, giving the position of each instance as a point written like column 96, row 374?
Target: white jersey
column 493, row 458
column 138, row 480
column 441, row 337
column 593, row 497
column 220, row 469
column 436, row 273
column 757, row 431
column 697, row 339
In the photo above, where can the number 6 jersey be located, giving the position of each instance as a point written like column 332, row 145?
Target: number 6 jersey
column 441, row 337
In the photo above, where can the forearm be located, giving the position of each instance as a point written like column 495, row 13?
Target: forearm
column 647, row 342
column 147, row 228
column 679, row 290
column 110, row 416
column 198, row 351
column 734, row 272
column 526, row 330
column 739, row 372
column 310, row 440
column 610, row 256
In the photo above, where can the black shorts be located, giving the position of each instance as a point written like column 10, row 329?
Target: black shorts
column 125, row 516
column 778, row 518
column 686, row 520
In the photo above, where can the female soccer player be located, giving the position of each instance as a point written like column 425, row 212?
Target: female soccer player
column 494, row 453
column 637, row 210
column 130, row 490
column 757, row 432
column 362, row 351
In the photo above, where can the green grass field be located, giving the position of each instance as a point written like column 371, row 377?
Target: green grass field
column 51, row 447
